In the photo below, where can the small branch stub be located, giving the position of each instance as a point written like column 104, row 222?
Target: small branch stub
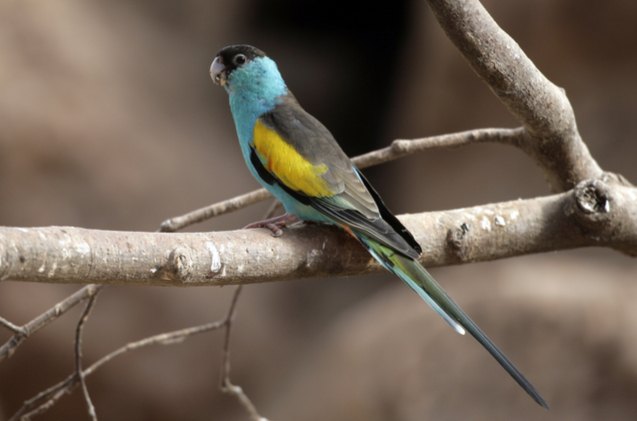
column 593, row 197
column 605, row 213
column 456, row 240
column 178, row 266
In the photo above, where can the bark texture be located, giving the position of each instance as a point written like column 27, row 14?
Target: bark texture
column 595, row 213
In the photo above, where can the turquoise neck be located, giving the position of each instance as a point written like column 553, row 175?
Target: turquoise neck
column 253, row 89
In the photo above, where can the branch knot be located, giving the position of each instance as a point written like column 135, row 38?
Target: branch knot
column 178, row 267
column 593, row 197
column 592, row 208
column 456, row 241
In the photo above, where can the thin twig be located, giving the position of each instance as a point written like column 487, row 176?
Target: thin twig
column 50, row 395
column 167, row 338
column 9, row 347
column 225, row 366
column 78, row 355
column 398, row 149
column 226, row 384
column 18, row 330
column 203, row 214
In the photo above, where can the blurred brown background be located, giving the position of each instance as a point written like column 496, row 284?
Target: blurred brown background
column 108, row 119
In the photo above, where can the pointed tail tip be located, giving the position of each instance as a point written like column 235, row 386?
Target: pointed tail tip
column 543, row 404
column 539, row 399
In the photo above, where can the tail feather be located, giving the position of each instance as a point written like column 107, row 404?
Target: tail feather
column 419, row 280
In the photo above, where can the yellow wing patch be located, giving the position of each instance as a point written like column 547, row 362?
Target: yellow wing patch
column 288, row 165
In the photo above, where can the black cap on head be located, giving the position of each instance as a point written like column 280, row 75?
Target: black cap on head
column 231, row 57
column 234, row 56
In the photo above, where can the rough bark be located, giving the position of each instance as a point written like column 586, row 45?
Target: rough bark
column 595, row 213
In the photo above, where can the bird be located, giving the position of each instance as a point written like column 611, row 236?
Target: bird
column 296, row 158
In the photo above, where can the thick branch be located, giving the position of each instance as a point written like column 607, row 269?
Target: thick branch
column 596, row 213
column 543, row 108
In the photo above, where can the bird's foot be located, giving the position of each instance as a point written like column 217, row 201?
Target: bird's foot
column 276, row 224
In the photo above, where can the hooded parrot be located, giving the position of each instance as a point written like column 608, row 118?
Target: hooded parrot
column 297, row 159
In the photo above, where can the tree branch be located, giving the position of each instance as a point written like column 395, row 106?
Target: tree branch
column 12, row 327
column 595, row 213
column 542, row 107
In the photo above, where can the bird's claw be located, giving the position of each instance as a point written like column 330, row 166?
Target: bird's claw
column 275, row 225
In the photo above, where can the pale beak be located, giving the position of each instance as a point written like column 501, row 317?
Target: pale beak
column 218, row 71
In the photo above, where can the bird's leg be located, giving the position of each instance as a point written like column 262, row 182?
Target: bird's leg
column 275, row 224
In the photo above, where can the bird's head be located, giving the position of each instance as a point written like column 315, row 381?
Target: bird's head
column 244, row 68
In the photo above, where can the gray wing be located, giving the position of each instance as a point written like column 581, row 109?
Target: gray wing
column 354, row 203
column 314, row 142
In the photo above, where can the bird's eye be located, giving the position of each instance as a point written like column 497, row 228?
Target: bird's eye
column 239, row 59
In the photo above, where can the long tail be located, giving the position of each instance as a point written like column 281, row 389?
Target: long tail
column 419, row 280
